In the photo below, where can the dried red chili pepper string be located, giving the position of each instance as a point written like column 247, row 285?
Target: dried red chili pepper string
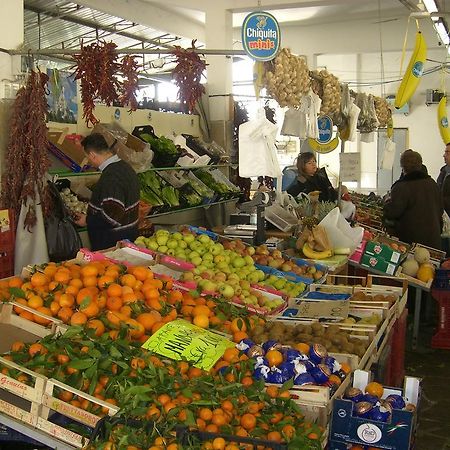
column 187, row 76
column 129, row 69
column 27, row 159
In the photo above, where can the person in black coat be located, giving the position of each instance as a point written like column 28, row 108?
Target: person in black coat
column 414, row 208
column 310, row 178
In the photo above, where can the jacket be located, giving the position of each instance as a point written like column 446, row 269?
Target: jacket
column 443, row 182
column 114, row 206
column 318, row 182
column 415, row 208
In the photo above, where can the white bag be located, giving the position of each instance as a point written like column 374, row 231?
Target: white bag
column 339, row 231
column 446, row 224
column 388, row 155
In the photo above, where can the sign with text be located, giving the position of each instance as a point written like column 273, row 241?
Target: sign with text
column 323, row 309
column 261, row 36
column 350, row 166
column 181, row 340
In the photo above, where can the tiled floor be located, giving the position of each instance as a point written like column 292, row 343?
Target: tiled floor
column 433, row 366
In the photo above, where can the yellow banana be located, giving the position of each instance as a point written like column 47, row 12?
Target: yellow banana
column 390, row 128
column 324, row 148
column 443, row 120
column 413, row 74
column 258, row 77
column 311, row 254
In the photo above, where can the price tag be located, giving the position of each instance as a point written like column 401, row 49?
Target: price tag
column 323, row 309
column 182, row 340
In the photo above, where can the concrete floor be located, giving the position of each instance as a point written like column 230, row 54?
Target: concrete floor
column 433, row 366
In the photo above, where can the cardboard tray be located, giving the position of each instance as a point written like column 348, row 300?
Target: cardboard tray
column 69, row 151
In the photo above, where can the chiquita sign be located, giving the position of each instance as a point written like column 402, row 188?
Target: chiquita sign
column 261, row 36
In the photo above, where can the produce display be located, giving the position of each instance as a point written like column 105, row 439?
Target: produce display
column 73, row 203
column 308, row 366
column 418, row 265
column 287, row 78
column 166, row 153
column 216, row 182
column 303, row 336
column 224, row 266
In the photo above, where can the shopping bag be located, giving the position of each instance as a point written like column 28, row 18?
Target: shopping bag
column 339, row 231
column 388, row 155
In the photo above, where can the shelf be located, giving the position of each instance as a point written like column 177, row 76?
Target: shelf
column 205, row 206
column 66, row 173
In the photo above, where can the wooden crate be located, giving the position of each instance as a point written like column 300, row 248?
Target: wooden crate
column 51, row 403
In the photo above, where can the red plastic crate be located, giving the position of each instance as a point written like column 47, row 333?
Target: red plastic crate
column 441, row 339
column 7, row 243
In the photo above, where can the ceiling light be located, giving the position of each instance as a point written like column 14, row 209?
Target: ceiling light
column 442, row 32
column 430, row 5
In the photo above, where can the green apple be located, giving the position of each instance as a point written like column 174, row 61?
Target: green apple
column 244, row 284
column 162, row 239
column 187, row 276
column 249, row 260
column 250, row 251
column 172, row 243
column 252, row 278
column 216, row 249
column 220, row 276
column 178, row 236
column 193, row 254
column 188, row 238
column 219, row 258
column 233, row 276
column 280, row 283
column 210, row 286
column 202, row 250
column 202, row 268
column 238, row 262
column 226, row 291
column 162, row 249
column 208, row 257
column 222, row 266
column 162, row 232
column 208, row 264
column 196, row 260
column 182, row 244
column 152, row 244
column 204, row 239
column 171, row 252
column 261, row 275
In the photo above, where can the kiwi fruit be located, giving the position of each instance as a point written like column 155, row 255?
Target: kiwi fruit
column 333, row 349
column 333, row 329
column 359, row 296
column 258, row 329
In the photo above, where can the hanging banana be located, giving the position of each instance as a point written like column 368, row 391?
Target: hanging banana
column 390, row 128
column 258, row 77
column 414, row 72
column 443, row 120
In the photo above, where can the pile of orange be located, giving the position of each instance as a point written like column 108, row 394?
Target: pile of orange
column 104, row 296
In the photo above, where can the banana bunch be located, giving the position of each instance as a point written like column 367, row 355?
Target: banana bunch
column 314, row 243
column 258, row 77
column 413, row 74
column 443, row 120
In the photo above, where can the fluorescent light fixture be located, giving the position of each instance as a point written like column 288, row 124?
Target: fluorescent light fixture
column 435, row 18
column 442, row 32
column 430, row 5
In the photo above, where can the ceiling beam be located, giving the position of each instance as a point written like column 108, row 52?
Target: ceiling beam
column 144, row 13
column 93, row 25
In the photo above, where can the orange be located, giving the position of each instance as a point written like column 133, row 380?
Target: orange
column 97, row 325
column 239, row 335
column 50, row 271
column 274, row 357
column 231, row 355
column 72, row 290
column 248, row 421
column 89, row 270
column 126, row 310
column 149, row 319
column 27, row 315
column 85, row 294
column 62, row 359
column 89, row 281
column 35, row 302
column 375, row 389
column 219, row 419
column 288, row 431
column 65, row 396
column 78, row 318
column 201, row 310
column 66, row 300
column 274, row 436
column 272, row 391
column 129, row 297
column 201, row 321
column 91, row 309
column 218, row 443
column 64, row 314
column 76, row 282
column 62, row 276
column 104, row 281
column 164, row 399
column 15, row 282
column 114, row 290
column 247, row 381
column 17, row 346
column 135, row 329
column 42, row 320
column 346, row 367
column 36, row 348
column 302, row 348
column 238, row 324
column 227, row 405
column 141, row 273
column 114, row 303
column 22, row 301
column 212, row 428
column 205, row 414
column 313, row 436
column 39, row 279
column 128, row 280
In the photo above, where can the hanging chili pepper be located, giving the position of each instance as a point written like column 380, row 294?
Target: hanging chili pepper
column 129, row 69
column 27, row 159
column 187, row 75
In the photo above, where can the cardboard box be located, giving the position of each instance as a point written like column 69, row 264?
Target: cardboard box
column 378, row 263
column 125, row 144
column 383, row 251
column 68, row 149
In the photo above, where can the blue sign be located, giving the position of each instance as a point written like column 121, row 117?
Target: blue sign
column 261, row 36
column 325, row 125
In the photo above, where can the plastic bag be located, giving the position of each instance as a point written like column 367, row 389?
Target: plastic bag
column 339, row 231
column 388, row 155
column 140, row 161
column 63, row 240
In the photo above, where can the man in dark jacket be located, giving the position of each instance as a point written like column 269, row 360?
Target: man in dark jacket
column 415, row 204
column 113, row 209
column 443, row 180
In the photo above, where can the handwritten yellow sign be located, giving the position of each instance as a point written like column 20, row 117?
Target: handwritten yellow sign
column 180, row 340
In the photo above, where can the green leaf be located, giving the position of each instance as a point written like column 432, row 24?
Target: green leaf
column 17, row 292
column 91, row 372
column 85, row 302
column 190, row 419
column 136, row 390
column 187, row 392
column 114, row 352
column 82, row 363
column 287, row 385
column 72, row 332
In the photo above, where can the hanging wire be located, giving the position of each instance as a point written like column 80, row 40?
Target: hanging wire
column 381, row 51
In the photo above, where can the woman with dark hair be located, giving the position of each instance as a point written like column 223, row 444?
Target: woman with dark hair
column 415, row 207
column 311, row 179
